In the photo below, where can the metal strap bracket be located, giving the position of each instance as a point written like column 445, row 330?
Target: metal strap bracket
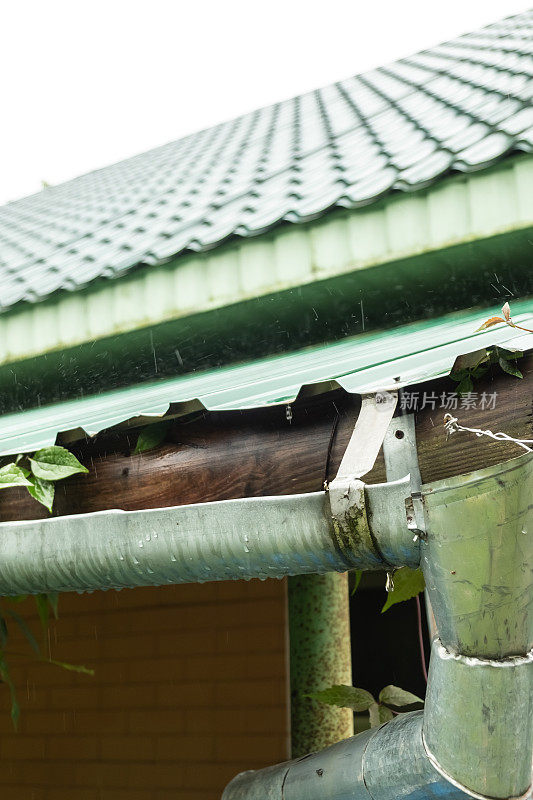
column 346, row 491
column 372, row 520
column 401, row 459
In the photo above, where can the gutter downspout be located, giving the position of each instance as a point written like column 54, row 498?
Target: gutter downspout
column 475, row 736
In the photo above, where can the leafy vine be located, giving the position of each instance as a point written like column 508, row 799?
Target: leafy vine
column 38, row 473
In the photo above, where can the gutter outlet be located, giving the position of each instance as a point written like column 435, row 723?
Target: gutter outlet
column 475, row 736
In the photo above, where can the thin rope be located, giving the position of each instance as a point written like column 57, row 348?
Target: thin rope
column 451, row 424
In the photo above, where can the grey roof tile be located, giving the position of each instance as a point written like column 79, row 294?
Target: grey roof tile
column 460, row 106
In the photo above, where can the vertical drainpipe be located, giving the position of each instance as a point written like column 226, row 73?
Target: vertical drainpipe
column 320, row 656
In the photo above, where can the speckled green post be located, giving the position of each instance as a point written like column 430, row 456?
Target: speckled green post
column 320, row 656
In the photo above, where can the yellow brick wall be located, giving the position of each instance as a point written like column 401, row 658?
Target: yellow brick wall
column 190, row 688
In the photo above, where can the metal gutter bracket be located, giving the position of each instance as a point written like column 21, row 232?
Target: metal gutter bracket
column 401, row 458
column 373, row 520
column 347, row 490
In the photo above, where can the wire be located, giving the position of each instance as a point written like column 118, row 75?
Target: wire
column 452, row 425
column 421, row 638
column 330, row 446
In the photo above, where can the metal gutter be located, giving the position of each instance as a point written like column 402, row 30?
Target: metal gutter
column 263, row 537
column 458, row 210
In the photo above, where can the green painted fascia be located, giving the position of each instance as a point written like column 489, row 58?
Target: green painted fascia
column 380, row 360
column 477, row 274
column 341, row 248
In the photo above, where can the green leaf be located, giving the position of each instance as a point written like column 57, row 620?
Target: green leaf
column 41, row 601
column 508, row 355
column 394, row 696
column 26, row 631
column 458, row 375
column 11, row 475
column 54, row 463
column 43, row 491
column 344, row 697
column 510, row 368
column 53, row 600
column 151, row 436
column 407, row 584
column 358, row 574
column 464, row 378
column 3, row 632
column 6, row 677
column 468, row 361
column 465, row 385
column 17, row 598
column 379, row 714
column 385, row 714
column 478, row 372
column 71, row 667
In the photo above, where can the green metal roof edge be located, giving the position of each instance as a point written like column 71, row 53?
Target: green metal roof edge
column 456, row 210
column 370, row 362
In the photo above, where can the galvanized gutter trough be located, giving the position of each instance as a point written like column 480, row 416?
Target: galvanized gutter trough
column 260, row 537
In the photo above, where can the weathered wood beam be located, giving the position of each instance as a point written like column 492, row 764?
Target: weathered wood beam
column 260, row 452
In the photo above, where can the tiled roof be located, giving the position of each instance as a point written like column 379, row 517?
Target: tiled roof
column 460, row 106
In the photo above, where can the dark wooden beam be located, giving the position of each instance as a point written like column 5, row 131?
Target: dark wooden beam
column 260, row 452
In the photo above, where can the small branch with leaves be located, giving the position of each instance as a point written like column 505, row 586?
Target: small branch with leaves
column 407, row 584
column 44, row 603
column 391, row 701
column 40, row 472
column 506, row 318
column 472, row 366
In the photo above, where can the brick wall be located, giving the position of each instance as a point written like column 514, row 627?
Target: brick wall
column 190, row 688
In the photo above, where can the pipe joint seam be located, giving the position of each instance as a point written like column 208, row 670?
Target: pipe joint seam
column 478, row 721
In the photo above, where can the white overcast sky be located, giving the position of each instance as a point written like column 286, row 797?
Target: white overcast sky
column 87, row 84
